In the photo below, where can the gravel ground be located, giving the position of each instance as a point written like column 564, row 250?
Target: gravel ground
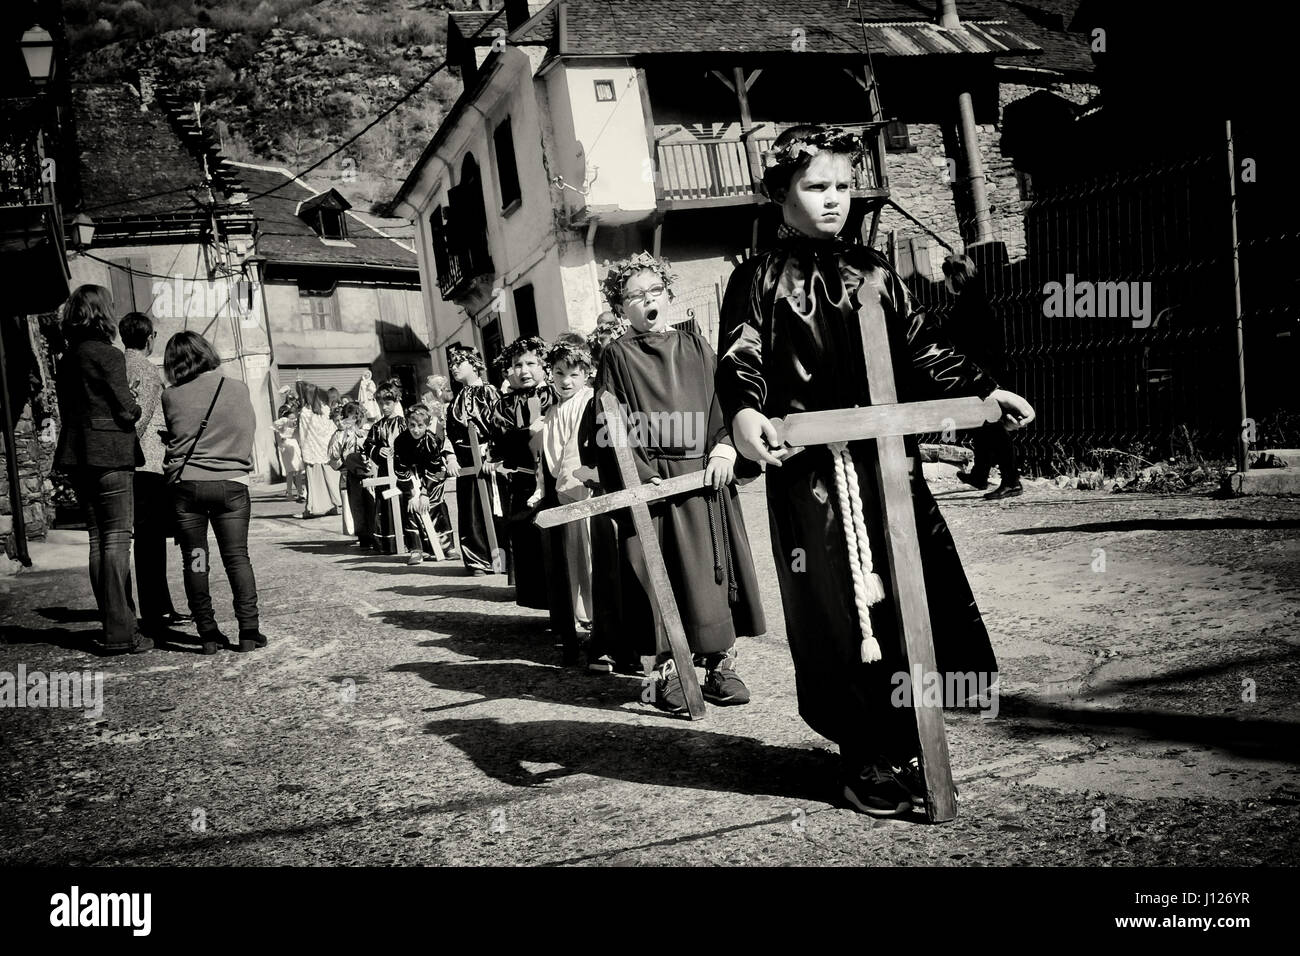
column 1148, row 712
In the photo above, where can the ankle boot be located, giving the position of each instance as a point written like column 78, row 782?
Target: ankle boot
column 251, row 640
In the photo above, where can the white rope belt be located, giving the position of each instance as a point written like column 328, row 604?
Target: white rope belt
column 868, row 588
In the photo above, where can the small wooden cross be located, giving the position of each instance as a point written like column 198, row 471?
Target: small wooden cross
column 635, row 498
column 486, row 488
column 887, row 422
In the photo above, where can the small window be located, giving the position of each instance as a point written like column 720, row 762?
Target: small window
column 330, row 224
column 318, row 312
column 526, row 310
column 604, row 91
column 896, row 138
column 507, row 168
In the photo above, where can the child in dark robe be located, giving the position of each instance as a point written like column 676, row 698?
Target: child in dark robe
column 612, row 647
column 378, row 451
column 474, row 408
column 347, row 459
column 791, row 342
column 664, row 381
column 514, row 426
column 423, row 458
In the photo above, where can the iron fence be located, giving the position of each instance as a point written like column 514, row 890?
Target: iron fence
column 1119, row 322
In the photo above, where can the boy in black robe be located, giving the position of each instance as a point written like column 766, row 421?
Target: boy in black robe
column 791, row 342
column 473, row 407
column 377, row 449
column 513, row 428
column 663, row 379
column 423, row 458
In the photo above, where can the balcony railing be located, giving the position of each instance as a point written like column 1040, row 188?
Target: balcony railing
column 458, row 262
column 713, row 171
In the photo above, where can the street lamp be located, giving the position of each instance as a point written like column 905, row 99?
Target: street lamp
column 83, row 231
column 38, row 52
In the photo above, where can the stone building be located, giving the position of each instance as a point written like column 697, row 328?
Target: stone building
column 591, row 129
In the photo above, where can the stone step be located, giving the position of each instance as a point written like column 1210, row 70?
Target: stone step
column 1267, row 481
column 1289, row 455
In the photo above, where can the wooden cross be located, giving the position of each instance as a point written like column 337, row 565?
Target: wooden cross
column 486, row 487
column 392, row 496
column 635, row 497
column 887, row 422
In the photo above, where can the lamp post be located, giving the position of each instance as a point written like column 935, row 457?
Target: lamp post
column 38, row 53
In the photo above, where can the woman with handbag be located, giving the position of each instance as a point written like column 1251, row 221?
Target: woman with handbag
column 208, row 460
column 99, row 450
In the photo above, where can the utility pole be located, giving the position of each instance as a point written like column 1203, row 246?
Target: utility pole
column 1243, row 442
column 946, row 12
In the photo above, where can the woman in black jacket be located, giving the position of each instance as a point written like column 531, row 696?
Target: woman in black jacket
column 99, row 450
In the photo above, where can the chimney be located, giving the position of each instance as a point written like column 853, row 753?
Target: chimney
column 945, row 13
column 147, row 77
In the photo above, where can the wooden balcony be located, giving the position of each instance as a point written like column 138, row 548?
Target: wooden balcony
column 716, row 172
column 458, row 259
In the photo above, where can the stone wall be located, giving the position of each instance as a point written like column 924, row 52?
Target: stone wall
column 35, row 441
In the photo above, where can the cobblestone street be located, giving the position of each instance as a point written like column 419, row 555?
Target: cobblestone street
column 1148, row 714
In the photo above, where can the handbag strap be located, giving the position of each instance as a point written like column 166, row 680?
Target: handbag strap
column 202, row 425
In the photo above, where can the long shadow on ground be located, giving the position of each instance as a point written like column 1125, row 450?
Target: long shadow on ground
column 1166, row 524
column 664, row 756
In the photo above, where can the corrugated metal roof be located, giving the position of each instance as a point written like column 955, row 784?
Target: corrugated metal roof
column 914, row 38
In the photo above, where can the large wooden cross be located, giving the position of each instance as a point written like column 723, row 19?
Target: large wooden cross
column 635, row 497
column 886, row 421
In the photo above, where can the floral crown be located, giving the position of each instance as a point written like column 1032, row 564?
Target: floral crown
column 463, row 353
column 618, row 274
column 568, row 354
column 525, row 343
column 836, row 139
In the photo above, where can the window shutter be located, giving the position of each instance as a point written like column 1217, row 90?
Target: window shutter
column 120, row 285
column 507, row 168
column 142, row 284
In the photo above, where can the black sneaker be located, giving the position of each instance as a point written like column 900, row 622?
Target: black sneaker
column 666, row 691
column 723, row 686
column 911, row 777
column 876, row 791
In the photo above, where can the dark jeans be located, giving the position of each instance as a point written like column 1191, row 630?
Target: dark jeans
column 227, row 506
column 153, row 526
column 108, row 503
column 993, row 447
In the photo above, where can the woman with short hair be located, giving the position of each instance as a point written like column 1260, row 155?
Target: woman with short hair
column 209, row 458
column 99, row 450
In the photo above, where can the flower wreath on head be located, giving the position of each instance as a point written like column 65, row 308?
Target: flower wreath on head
column 833, row 138
column 618, row 274
column 463, row 353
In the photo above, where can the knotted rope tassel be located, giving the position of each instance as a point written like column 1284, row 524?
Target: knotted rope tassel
column 868, row 588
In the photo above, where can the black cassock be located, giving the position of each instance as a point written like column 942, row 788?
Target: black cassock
column 664, row 381
column 510, row 436
column 474, row 406
column 791, row 342
column 420, row 467
column 381, row 434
